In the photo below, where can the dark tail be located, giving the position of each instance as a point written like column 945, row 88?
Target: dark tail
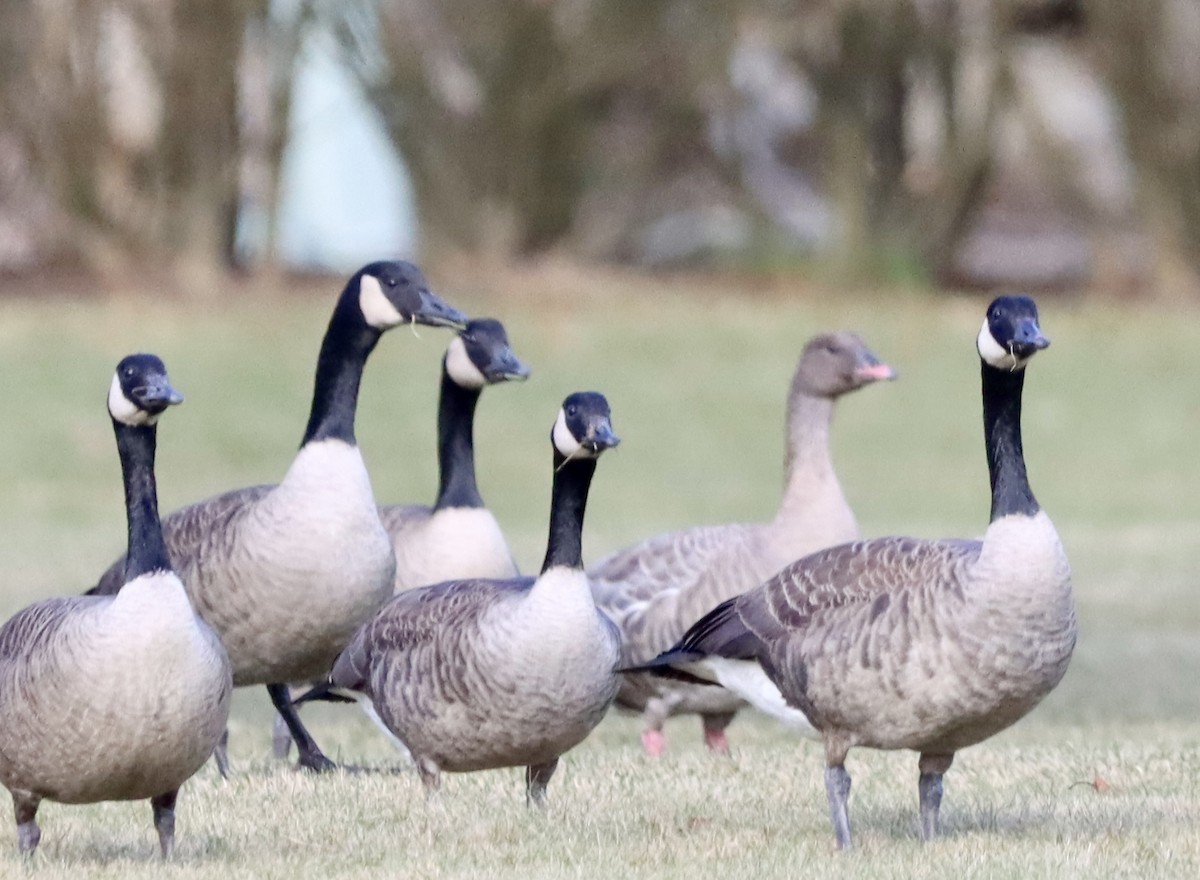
column 720, row 633
column 664, row 666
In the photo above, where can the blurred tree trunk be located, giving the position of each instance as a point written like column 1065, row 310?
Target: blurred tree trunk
column 198, row 150
column 1149, row 53
column 504, row 111
column 863, row 58
column 129, row 116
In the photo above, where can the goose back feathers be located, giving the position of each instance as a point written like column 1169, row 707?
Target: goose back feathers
column 902, row 643
column 114, row 697
column 655, row 589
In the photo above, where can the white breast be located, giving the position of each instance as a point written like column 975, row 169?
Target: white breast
column 452, row 544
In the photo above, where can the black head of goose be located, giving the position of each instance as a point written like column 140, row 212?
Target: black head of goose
column 150, row 676
column 457, row 537
column 901, row 643
column 655, row 589
column 478, row 674
column 285, row 573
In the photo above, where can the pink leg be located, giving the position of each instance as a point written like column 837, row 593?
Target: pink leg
column 717, row 741
column 714, row 732
column 654, row 743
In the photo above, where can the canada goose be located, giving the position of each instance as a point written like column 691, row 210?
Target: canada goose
column 479, row 674
column 901, row 643
column 286, row 573
column 655, row 589
column 458, row 537
column 107, row 698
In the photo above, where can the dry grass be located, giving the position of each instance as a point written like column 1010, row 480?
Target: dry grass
column 697, row 386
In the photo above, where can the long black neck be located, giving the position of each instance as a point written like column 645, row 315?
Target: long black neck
column 568, row 500
column 1002, row 436
column 147, row 550
column 456, row 445
column 344, row 350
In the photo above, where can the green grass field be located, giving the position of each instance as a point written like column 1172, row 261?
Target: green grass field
column 697, row 381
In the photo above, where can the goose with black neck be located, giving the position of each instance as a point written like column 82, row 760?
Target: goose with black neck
column 150, row 678
column 458, row 537
column 479, row 674
column 903, row 643
column 286, row 573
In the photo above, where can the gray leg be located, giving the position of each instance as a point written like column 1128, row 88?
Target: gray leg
column 537, row 776
column 837, row 789
column 430, row 773
column 221, row 754
column 311, row 756
column 930, row 789
column 164, row 821
column 28, row 834
column 281, row 738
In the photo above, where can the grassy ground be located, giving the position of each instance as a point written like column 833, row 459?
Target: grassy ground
column 697, row 382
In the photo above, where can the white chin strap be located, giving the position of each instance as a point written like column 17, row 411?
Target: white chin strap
column 994, row 353
column 125, row 410
column 377, row 309
column 461, row 368
column 565, row 442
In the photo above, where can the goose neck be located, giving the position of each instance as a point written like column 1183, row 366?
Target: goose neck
column 807, row 460
column 456, row 445
column 1011, row 493
column 147, row 549
column 568, row 501
column 348, row 342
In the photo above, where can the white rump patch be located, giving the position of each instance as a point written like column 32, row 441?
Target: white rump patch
column 995, row 353
column 747, row 679
column 376, row 307
column 125, row 410
column 460, row 366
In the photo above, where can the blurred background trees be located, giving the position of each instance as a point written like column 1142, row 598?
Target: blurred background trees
column 1048, row 143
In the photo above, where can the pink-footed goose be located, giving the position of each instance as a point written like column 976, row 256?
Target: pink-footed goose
column 458, row 537
column 106, row 698
column 479, row 674
column 902, row 643
column 286, row 573
column 655, row 589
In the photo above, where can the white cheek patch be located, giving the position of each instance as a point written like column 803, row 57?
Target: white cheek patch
column 460, row 366
column 995, row 353
column 125, row 410
column 376, row 308
column 565, row 442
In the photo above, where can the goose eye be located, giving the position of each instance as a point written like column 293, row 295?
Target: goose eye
column 391, row 282
column 572, row 410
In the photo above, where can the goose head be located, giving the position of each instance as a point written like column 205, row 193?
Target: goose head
column 140, row 391
column 583, row 428
column 1010, row 334
column 833, row 364
column 480, row 355
column 396, row 292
